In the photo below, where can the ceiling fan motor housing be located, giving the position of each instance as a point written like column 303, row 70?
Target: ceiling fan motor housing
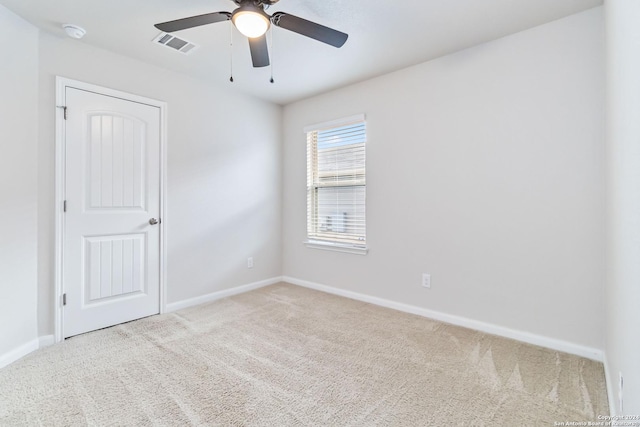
column 250, row 6
column 257, row 3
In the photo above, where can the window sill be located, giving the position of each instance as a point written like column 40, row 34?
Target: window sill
column 336, row 247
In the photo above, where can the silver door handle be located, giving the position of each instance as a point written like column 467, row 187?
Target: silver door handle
column 154, row 221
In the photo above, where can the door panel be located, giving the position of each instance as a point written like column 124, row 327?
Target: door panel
column 116, row 162
column 112, row 188
column 114, row 266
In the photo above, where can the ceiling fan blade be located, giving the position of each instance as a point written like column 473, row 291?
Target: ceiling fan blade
column 259, row 51
column 309, row 29
column 193, row 21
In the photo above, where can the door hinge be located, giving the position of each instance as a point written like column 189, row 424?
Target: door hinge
column 64, row 206
column 64, row 110
column 64, row 299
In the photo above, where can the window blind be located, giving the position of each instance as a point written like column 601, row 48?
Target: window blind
column 336, row 183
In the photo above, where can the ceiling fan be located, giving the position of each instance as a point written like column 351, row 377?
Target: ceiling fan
column 251, row 20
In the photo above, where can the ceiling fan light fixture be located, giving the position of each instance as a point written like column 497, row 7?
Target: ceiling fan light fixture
column 252, row 23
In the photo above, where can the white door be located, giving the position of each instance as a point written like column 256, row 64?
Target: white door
column 111, row 252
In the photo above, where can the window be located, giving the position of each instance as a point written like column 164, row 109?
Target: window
column 336, row 184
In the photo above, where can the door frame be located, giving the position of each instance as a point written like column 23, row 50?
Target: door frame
column 62, row 84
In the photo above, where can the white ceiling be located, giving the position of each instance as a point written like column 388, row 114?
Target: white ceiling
column 383, row 36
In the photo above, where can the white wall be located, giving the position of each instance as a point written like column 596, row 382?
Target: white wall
column 484, row 169
column 18, row 177
column 623, row 202
column 224, row 172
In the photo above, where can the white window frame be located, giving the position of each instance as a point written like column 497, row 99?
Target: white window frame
column 328, row 244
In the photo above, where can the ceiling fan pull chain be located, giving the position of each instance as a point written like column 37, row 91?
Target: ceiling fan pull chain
column 271, row 49
column 231, row 53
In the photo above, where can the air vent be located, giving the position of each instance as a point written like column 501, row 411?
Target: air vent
column 175, row 43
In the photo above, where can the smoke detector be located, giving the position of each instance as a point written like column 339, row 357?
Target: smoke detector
column 74, row 31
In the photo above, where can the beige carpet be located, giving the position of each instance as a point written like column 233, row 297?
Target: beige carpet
column 289, row 356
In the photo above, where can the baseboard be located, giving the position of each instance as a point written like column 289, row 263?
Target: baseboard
column 46, row 341
column 18, row 353
column 174, row 306
column 610, row 383
column 542, row 341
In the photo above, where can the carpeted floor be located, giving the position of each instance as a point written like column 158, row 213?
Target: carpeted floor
column 289, row 356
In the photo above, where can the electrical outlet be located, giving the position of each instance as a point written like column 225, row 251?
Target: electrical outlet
column 426, row 280
column 620, row 389
column 250, row 262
